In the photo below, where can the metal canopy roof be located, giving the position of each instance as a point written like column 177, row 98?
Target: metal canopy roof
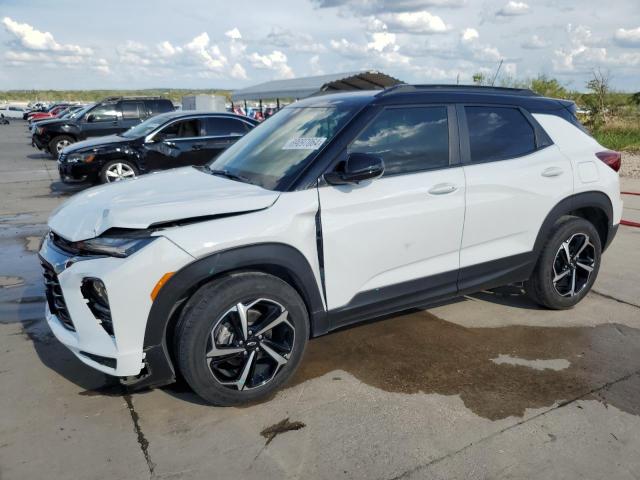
column 307, row 86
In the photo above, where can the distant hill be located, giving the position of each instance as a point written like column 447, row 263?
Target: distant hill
column 174, row 94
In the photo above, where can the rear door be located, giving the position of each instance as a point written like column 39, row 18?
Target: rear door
column 515, row 176
column 133, row 112
column 221, row 132
column 397, row 237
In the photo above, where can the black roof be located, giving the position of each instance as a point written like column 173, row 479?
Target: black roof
column 408, row 94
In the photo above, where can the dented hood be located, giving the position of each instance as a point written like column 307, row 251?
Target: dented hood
column 156, row 198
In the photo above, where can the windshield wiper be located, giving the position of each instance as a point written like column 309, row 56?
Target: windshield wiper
column 229, row 175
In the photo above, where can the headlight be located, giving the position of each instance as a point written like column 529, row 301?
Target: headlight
column 81, row 157
column 113, row 246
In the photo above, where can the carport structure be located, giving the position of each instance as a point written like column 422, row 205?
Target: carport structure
column 296, row 88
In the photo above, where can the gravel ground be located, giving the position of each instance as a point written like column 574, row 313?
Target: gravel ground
column 630, row 165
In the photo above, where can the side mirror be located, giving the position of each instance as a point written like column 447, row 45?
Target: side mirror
column 91, row 118
column 357, row 168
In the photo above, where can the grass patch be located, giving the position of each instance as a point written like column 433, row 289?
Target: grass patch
column 620, row 134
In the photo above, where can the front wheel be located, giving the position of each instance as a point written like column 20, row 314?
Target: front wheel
column 59, row 143
column 117, row 170
column 568, row 264
column 241, row 337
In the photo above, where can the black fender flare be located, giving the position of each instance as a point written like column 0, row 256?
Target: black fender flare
column 592, row 199
column 280, row 259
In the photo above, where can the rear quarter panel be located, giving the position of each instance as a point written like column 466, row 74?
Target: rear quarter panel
column 590, row 173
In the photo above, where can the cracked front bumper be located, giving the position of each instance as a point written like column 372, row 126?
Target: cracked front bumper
column 129, row 283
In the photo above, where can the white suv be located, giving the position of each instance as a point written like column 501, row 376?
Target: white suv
column 337, row 209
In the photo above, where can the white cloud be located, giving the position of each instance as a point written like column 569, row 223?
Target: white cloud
column 294, row 41
column 384, row 6
column 421, row 22
column 534, row 42
column 470, row 42
column 627, row 38
column 276, row 61
column 314, row 64
column 31, row 39
column 469, row 34
column 238, row 72
column 233, row 34
column 513, row 8
column 31, row 46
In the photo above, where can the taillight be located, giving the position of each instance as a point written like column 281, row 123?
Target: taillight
column 611, row 158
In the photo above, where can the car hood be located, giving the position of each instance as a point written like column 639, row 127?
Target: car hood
column 156, row 198
column 96, row 142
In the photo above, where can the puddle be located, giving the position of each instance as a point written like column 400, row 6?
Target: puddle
column 32, row 243
column 9, row 282
column 21, row 285
column 556, row 364
column 419, row 352
column 281, row 427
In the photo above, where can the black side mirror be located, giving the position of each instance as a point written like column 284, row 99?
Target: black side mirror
column 357, row 168
column 91, row 118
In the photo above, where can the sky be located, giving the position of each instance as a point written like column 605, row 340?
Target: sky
column 86, row 44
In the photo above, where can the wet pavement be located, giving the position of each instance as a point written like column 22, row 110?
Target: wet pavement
column 487, row 386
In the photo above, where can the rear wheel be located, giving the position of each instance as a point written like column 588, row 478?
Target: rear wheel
column 568, row 264
column 59, row 143
column 117, row 170
column 241, row 337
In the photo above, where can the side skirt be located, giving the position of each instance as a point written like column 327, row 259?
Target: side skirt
column 433, row 289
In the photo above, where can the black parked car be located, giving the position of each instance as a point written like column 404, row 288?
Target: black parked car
column 112, row 115
column 169, row 140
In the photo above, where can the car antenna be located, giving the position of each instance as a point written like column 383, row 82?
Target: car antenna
column 497, row 71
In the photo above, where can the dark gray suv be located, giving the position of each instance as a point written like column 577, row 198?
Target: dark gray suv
column 110, row 116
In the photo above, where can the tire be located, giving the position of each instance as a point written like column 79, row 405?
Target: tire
column 212, row 315
column 560, row 279
column 117, row 170
column 58, row 143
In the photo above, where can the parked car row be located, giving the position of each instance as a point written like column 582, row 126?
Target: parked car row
column 122, row 137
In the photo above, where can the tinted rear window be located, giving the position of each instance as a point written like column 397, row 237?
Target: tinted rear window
column 498, row 133
column 159, row 106
column 219, row 126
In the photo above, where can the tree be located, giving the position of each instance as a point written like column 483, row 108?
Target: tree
column 548, row 87
column 599, row 87
column 480, row 78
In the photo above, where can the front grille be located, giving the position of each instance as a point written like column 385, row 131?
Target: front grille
column 55, row 299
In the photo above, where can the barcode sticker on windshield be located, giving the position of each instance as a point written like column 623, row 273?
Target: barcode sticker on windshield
column 304, row 143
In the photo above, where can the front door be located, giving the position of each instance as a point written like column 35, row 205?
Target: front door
column 397, row 238
column 179, row 144
column 102, row 120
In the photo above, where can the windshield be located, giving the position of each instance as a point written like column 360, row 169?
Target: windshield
column 276, row 151
column 144, row 128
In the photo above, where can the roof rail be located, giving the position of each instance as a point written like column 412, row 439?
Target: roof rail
column 406, row 88
column 134, row 97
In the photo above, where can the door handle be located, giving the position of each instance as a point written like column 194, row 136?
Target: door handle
column 442, row 189
column 196, row 147
column 552, row 172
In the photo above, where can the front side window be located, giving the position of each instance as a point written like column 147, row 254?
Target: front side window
column 146, row 127
column 275, row 152
column 498, row 133
column 181, row 129
column 103, row 113
column 408, row 139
